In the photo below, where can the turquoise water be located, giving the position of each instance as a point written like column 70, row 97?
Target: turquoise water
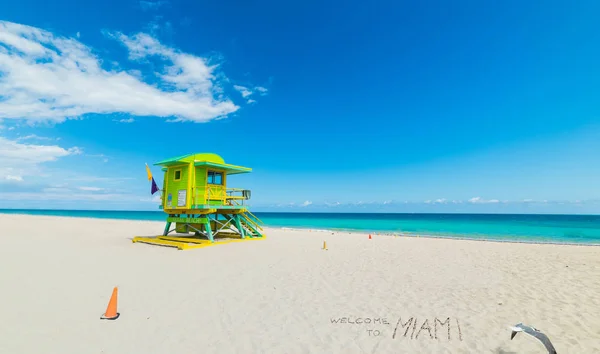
column 579, row 229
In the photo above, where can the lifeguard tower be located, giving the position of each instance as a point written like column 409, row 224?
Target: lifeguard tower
column 196, row 198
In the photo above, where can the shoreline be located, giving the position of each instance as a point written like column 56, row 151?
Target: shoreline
column 300, row 212
column 442, row 237
column 349, row 231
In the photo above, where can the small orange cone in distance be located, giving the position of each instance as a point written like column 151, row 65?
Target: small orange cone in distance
column 369, row 236
column 111, row 311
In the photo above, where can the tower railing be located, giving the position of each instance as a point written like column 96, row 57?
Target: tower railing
column 227, row 196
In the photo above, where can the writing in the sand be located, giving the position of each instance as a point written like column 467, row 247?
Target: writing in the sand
column 360, row 320
column 368, row 321
column 411, row 328
column 437, row 329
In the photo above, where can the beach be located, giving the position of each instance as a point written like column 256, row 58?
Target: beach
column 285, row 294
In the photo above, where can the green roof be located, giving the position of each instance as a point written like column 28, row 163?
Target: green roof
column 204, row 159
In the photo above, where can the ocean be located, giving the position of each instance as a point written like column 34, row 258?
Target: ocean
column 572, row 229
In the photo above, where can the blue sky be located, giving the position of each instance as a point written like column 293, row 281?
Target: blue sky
column 337, row 106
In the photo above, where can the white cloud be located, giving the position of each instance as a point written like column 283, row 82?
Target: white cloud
column 56, row 194
column 262, row 90
column 438, row 202
column 158, row 27
column 90, row 189
column 151, row 5
column 246, row 92
column 102, row 156
column 56, row 190
column 13, row 178
column 22, row 159
column 63, row 192
column 44, row 77
column 15, row 153
column 127, row 120
column 479, row 200
column 243, row 90
column 88, row 179
column 33, row 136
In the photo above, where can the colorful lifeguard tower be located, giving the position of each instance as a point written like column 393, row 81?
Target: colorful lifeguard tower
column 195, row 197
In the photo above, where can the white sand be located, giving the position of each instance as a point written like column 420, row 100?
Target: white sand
column 279, row 295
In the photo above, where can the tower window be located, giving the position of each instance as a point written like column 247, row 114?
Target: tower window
column 215, row 177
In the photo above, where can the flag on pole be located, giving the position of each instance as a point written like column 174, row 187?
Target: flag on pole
column 150, row 178
column 154, row 186
column 148, row 172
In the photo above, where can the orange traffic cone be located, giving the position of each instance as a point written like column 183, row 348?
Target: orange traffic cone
column 369, row 236
column 111, row 311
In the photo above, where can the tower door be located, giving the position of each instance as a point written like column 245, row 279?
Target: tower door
column 176, row 188
column 215, row 187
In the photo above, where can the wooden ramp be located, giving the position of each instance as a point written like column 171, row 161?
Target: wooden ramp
column 191, row 242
